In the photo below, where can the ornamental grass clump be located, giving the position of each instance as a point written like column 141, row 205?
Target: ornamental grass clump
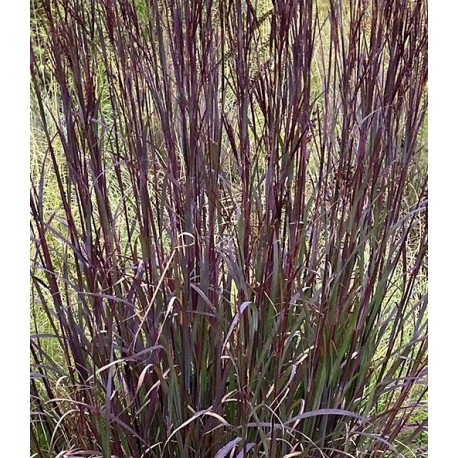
column 228, row 228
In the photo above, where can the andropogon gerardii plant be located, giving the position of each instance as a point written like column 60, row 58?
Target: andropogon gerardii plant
column 229, row 228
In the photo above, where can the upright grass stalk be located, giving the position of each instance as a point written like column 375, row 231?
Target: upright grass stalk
column 229, row 228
